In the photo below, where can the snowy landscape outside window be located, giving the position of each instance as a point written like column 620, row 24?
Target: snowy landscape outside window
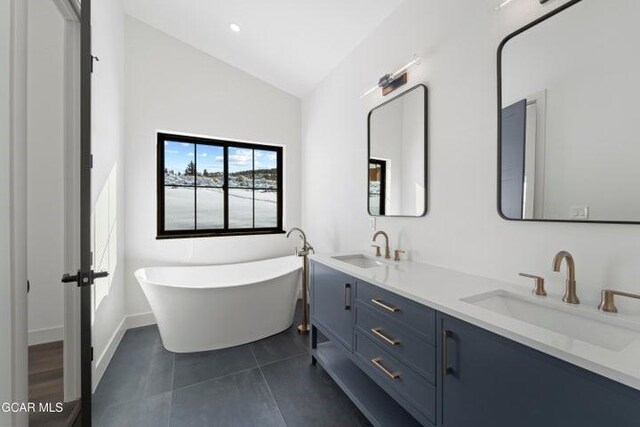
column 210, row 187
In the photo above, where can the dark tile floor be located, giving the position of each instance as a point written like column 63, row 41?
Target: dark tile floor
column 266, row 383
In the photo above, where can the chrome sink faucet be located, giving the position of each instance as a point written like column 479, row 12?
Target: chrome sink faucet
column 387, row 251
column 570, row 295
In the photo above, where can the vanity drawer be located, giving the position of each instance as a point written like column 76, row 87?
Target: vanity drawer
column 394, row 375
column 410, row 313
column 398, row 340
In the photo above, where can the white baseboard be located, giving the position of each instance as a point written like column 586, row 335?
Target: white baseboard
column 141, row 319
column 100, row 364
column 129, row 322
column 42, row 336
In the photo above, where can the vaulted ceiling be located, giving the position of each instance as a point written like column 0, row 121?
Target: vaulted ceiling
column 291, row 44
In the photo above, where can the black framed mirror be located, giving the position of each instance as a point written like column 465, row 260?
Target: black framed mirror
column 568, row 90
column 397, row 155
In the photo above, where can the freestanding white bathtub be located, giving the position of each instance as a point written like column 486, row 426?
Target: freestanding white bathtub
column 213, row 307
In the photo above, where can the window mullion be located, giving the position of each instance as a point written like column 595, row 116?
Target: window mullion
column 253, row 185
column 195, row 187
column 226, row 186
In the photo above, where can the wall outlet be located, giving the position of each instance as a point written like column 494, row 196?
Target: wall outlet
column 372, row 223
column 579, row 212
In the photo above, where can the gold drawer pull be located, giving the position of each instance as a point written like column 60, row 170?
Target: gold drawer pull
column 385, row 306
column 378, row 364
column 379, row 334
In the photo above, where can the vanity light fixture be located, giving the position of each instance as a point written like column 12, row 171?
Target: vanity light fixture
column 390, row 82
column 503, row 4
column 234, row 27
column 506, row 2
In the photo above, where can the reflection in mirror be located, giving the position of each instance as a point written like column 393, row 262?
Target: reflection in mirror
column 397, row 155
column 569, row 143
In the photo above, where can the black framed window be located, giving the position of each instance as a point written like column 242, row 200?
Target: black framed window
column 210, row 187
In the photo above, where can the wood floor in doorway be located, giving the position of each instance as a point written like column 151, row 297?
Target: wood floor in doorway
column 46, row 385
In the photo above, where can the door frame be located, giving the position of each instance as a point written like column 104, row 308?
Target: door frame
column 13, row 271
column 70, row 11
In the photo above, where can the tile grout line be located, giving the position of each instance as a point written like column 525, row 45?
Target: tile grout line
column 216, row 378
column 302, row 353
column 173, row 373
column 268, row 387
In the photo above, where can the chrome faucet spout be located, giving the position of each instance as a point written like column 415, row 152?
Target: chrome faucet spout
column 306, row 247
column 302, row 235
column 570, row 295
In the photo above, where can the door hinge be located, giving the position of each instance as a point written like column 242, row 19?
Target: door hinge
column 94, row 59
column 92, row 353
column 91, row 161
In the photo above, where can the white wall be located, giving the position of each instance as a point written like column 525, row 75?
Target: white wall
column 591, row 106
column 45, row 173
column 458, row 43
column 107, row 134
column 174, row 87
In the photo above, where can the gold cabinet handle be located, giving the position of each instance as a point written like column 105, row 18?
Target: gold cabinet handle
column 385, row 306
column 382, row 336
column 377, row 363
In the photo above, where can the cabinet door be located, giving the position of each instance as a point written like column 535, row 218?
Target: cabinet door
column 491, row 381
column 332, row 301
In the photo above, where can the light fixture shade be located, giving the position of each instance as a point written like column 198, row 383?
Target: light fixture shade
column 387, row 79
column 234, row 27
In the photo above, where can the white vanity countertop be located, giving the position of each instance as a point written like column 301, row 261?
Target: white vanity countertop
column 442, row 289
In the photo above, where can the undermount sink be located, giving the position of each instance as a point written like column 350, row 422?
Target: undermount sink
column 593, row 328
column 359, row 260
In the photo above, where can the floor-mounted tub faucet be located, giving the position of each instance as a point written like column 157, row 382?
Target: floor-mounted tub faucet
column 304, row 328
column 306, row 247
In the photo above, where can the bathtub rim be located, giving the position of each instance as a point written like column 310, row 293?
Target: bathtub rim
column 137, row 274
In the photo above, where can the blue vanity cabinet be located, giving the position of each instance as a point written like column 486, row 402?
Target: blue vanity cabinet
column 332, row 295
column 490, row 381
column 404, row 364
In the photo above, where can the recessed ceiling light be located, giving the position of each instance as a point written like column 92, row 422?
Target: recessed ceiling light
column 234, row 27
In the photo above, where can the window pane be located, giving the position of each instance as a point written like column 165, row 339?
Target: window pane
column 266, row 169
column 210, row 205
column 179, row 163
column 179, row 208
column 266, row 208
column 240, row 208
column 210, row 166
column 240, row 168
